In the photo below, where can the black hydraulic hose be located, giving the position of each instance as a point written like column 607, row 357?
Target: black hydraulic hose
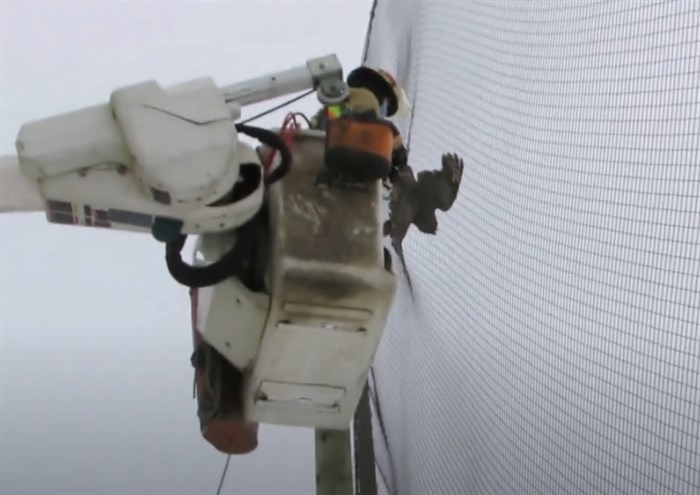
column 217, row 272
column 273, row 140
column 232, row 261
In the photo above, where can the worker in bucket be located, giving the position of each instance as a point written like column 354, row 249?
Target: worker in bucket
column 361, row 143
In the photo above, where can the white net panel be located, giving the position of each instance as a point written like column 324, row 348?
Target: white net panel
column 554, row 342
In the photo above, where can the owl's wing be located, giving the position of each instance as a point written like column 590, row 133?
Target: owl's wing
column 439, row 188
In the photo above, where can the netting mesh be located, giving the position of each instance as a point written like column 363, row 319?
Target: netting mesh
column 553, row 345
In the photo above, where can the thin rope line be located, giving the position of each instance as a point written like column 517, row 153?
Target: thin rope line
column 223, row 475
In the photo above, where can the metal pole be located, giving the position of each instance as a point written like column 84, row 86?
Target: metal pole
column 326, row 73
column 269, row 86
column 333, row 462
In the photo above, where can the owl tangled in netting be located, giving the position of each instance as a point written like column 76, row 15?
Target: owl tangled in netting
column 414, row 200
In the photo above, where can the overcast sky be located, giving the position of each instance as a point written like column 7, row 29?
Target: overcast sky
column 96, row 383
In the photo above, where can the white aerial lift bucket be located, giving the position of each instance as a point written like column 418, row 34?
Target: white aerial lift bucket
column 306, row 352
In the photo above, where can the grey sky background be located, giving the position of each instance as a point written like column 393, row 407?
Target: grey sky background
column 95, row 379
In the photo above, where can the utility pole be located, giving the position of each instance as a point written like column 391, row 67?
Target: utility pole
column 333, row 462
column 334, row 466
